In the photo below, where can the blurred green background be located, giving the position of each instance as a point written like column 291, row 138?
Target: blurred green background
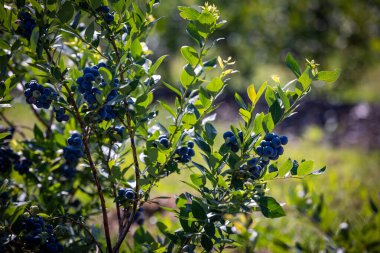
column 337, row 127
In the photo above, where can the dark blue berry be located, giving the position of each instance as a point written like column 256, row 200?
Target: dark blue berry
column 164, row 142
column 252, row 162
column 191, row 152
column 269, row 136
column 228, row 134
column 284, row 140
column 129, row 194
column 276, row 142
column 121, row 192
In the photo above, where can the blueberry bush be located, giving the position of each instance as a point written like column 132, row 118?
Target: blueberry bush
column 98, row 149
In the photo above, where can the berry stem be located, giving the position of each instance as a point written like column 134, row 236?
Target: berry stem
column 93, row 169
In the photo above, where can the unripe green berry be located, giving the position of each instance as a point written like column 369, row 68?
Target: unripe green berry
column 34, row 210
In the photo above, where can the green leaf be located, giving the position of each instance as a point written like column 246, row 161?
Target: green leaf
column 306, row 78
column 198, row 179
column 145, row 100
column 205, row 23
column 204, row 97
column 252, row 93
column 292, row 64
column 240, row 101
column 34, row 38
column 106, row 74
column 136, row 49
column 188, row 76
column 284, row 98
column 157, row 64
column 246, row 115
column 270, row 207
column 329, row 76
column 193, row 32
column 276, row 111
column 89, row 33
column 268, row 124
column 215, row 85
column 258, row 123
column 206, row 243
column 19, row 209
column 210, row 229
column 261, row 91
column 305, row 168
column 66, row 12
column 172, row 88
column 222, row 182
column 38, row 134
column 188, row 13
column 3, row 135
column 210, row 131
column 190, row 54
column 189, row 119
column 203, row 145
column 285, row 168
column 270, row 96
column 198, row 210
column 167, row 107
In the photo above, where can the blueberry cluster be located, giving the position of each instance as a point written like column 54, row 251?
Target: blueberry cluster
column 27, row 24
column 38, row 95
column 105, row 12
column 125, row 194
column 271, row 147
column 89, row 85
column 38, row 234
column 60, row 114
column 139, row 219
column 9, row 158
column 254, row 167
column 231, row 140
column 185, row 152
column 72, row 153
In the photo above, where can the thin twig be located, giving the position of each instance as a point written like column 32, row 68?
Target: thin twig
column 40, row 119
column 10, row 124
column 137, row 187
column 83, row 226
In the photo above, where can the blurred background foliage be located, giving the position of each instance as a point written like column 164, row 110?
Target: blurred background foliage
column 259, row 34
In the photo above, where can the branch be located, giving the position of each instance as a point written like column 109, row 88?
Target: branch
column 106, row 162
column 137, row 187
column 10, row 124
column 93, row 169
column 40, row 119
